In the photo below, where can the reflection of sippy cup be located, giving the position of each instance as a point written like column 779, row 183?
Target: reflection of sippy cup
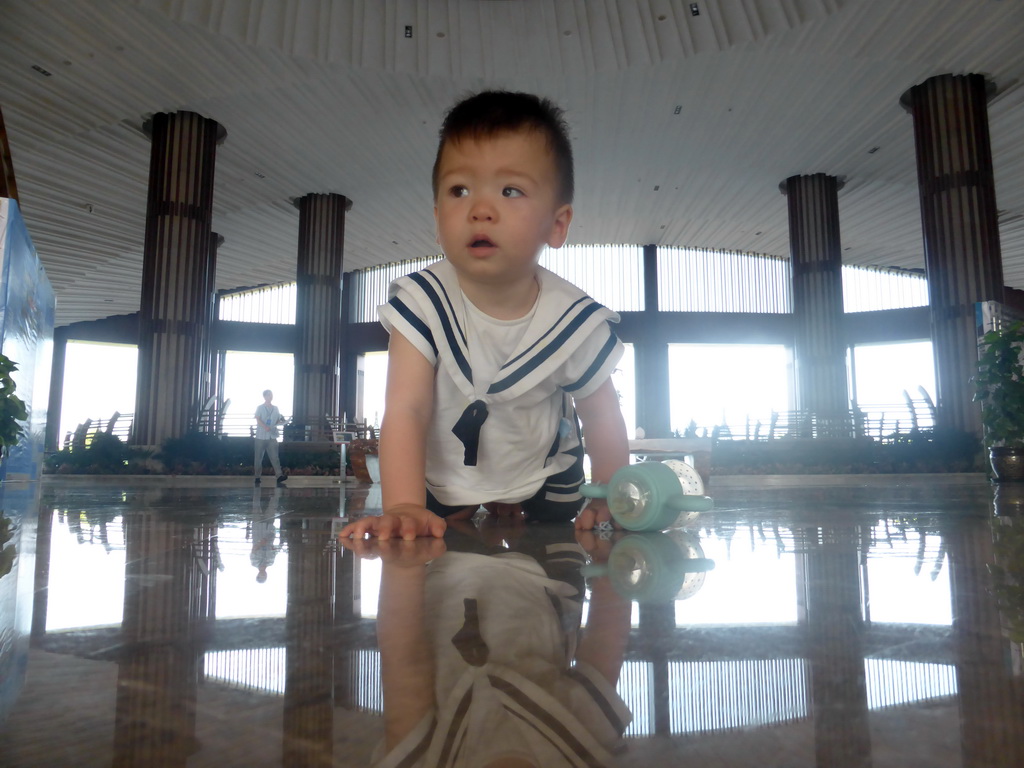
column 655, row 567
column 653, row 495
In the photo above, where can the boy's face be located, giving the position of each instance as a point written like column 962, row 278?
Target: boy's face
column 497, row 206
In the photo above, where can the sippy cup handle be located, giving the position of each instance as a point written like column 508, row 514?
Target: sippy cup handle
column 685, row 502
column 592, row 491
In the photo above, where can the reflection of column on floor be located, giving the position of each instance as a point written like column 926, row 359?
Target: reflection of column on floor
column 991, row 699
column 157, row 675
column 40, row 601
column 658, row 620
column 830, row 575
column 308, row 704
column 347, row 608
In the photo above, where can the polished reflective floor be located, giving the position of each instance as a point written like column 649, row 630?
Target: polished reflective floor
column 817, row 622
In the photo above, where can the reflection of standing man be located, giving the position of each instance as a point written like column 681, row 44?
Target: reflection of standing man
column 264, row 535
column 267, row 419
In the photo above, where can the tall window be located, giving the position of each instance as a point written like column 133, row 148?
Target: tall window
column 371, row 286
column 246, row 375
column 610, row 274
column 267, row 304
column 99, row 379
column 728, row 385
column 871, row 288
column 885, row 375
column 703, row 280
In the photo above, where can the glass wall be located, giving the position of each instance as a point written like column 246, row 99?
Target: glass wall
column 246, row 375
column 703, row 280
column 610, row 274
column 375, row 376
column 883, row 375
column 99, row 379
column 728, row 385
column 267, row 304
column 866, row 289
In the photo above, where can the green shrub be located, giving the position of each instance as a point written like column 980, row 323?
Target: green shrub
column 102, row 454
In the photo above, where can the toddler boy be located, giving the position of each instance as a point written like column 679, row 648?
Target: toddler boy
column 492, row 357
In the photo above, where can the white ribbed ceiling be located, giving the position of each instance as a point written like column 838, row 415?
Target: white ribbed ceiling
column 332, row 97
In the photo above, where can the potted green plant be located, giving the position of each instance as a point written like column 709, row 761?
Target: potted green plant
column 12, row 414
column 12, row 408
column 999, row 388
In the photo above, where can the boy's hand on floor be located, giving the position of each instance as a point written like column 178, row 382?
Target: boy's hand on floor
column 405, row 521
column 397, row 552
column 595, row 513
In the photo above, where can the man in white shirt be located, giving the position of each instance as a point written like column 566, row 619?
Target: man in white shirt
column 267, row 419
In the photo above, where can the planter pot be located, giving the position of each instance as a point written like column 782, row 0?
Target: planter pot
column 1007, row 464
column 362, row 455
column 1008, row 500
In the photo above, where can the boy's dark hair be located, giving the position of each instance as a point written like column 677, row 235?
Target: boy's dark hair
column 490, row 113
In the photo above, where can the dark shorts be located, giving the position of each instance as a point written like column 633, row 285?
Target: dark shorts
column 538, row 508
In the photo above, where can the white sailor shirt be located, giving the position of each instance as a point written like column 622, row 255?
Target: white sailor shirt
column 528, row 425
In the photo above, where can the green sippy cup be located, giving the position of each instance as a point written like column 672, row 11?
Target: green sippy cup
column 655, row 567
column 653, row 495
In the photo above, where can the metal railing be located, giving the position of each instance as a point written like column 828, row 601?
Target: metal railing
column 884, row 423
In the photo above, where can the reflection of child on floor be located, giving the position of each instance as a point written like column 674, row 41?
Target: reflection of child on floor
column 492, row 357
column 483, row 662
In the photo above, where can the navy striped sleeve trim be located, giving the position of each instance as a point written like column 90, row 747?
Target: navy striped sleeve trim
column 417, row 752
column 414, row 321
column 569, row 310
column 456, row 730
column 605, row 706
column 595, row 366
column 447, row 319
column 544, row 354
column 533, row 714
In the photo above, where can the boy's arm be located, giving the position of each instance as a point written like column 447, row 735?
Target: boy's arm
column 406, row 661
column 605, row 640
column 408, row 407
column 604, row 431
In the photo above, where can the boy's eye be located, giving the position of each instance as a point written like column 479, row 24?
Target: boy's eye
column 458, row 191
column 511, row 192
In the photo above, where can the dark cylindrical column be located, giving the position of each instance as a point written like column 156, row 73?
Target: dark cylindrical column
column 318, row 308
column 816, row 258
column 175, row 273
column 351, row 394
column 53, row 438
column 961, row 232
column 207, row 353
column 650, row 356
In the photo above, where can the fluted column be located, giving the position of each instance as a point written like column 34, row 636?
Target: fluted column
column 961, row 233
column 207, row 363
column 158, row 665
column 816, row 258
column 650, row 350
column 175, row 273
column 309, row 681
column 834, row 632
column 318, row 307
